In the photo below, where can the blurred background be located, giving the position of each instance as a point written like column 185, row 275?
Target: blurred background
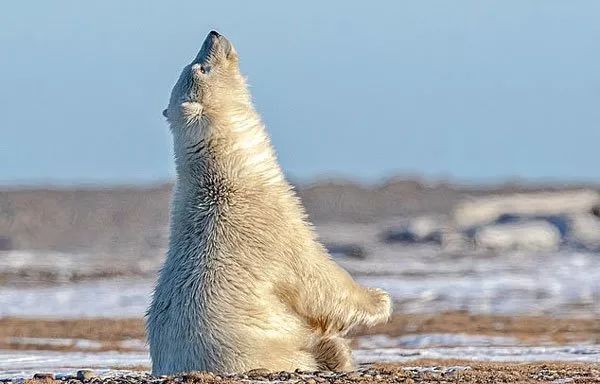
column 447, row 152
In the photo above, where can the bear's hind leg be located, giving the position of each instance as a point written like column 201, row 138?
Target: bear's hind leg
column 334, row 354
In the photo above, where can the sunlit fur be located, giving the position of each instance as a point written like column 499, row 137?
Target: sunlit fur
column 245, row 284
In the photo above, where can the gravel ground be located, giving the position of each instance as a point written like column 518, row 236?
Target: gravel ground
column 418, row 372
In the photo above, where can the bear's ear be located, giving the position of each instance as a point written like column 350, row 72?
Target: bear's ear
column 165, row 112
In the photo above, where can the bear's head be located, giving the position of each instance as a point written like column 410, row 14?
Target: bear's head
column 210, row 86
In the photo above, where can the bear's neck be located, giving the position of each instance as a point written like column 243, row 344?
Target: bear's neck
column 231, row 147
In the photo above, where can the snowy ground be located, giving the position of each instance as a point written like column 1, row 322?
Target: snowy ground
column 586, row 353
column 26, row 363
column 102, row 298
column 15, row 364
column 421, row 279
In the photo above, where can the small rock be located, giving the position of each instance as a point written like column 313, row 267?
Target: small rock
column 85, row 374
column 258, row 372
column 566, row 380
column 354, row 376
column 43, row 376
column 326, row 374
column 354, row 251
column 311, row 381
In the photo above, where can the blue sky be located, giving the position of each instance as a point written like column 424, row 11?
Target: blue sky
column 470, row 90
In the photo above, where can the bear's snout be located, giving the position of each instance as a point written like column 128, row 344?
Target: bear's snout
column 213, row 42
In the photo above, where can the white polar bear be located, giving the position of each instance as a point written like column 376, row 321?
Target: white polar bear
column 245, row 284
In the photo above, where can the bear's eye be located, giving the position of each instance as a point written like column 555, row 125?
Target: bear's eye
column 202, row 69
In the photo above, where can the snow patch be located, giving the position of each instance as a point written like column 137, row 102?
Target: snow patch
column 58, row 342
column 433, row 340
column 581, row 353
column 19, row 364
column 106, row 298
column 15, row 364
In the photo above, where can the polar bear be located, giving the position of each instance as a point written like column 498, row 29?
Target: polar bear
column 245, row 284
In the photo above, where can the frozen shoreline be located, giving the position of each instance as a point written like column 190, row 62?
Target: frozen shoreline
column 568, row 288
column 23, row 364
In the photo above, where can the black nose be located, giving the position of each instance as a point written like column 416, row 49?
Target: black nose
column 214, row 33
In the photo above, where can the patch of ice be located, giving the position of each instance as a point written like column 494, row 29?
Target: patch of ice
column 421, row 279
column 36, row 265
column 559, row 283
column 106, row 298
column 58, row 342
column 135, row 344
column 18, row 364
column 14, row 364
column 433, row 340
column 40, row 341
column 585, row 353
column 81, row 344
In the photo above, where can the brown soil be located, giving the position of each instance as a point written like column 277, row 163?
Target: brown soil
column 529, row 329
column 93, row 329
column 108, row 331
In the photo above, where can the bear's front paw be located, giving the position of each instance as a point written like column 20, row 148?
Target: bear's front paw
column 381, row 306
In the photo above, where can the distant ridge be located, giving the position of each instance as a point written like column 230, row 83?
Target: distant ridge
column 135, row 218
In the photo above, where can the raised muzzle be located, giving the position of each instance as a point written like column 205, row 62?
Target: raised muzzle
column 212, row 44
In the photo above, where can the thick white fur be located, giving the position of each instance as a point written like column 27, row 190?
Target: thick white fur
column 245, row 284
